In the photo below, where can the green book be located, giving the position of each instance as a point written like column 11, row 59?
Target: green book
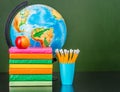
column 30, row 77
column 30, row 83
column 18, row 61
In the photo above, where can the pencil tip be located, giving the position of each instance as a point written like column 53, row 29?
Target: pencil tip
column 56, row 50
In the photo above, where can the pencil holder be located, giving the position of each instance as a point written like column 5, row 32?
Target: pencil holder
column 67, row 88
column 67, row 73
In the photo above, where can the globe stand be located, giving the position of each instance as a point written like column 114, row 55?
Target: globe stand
column 9, row 19
column 55, row 78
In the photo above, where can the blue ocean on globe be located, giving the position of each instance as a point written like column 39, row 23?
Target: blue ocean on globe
column 42, row 24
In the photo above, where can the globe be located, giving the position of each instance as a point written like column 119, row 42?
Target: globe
column 43, row 25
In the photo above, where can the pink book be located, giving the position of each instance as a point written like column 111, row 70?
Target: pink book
column 15, row 50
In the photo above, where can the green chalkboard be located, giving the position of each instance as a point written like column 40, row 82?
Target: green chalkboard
column 93, row 26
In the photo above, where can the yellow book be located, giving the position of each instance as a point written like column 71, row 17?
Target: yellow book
column 30, row 66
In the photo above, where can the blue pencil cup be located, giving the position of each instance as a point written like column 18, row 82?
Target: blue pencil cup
column 67, row 73
column 67, row 88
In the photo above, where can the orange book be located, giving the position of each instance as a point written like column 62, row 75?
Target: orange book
column 30, row 56
column 30, row 71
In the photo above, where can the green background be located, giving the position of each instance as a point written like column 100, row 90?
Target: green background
column 93, row 26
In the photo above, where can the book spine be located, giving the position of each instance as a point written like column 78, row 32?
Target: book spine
column 28, row 61
column 30, row 56
column 15, row 50
column 30, row 77
column 30, row 71
column 30, row 66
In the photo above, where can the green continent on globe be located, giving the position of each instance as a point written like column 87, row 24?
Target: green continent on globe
column 44, row 36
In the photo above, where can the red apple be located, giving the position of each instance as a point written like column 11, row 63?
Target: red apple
column 22, row 42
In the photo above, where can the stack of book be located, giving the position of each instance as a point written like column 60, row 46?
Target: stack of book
column 30, row 67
